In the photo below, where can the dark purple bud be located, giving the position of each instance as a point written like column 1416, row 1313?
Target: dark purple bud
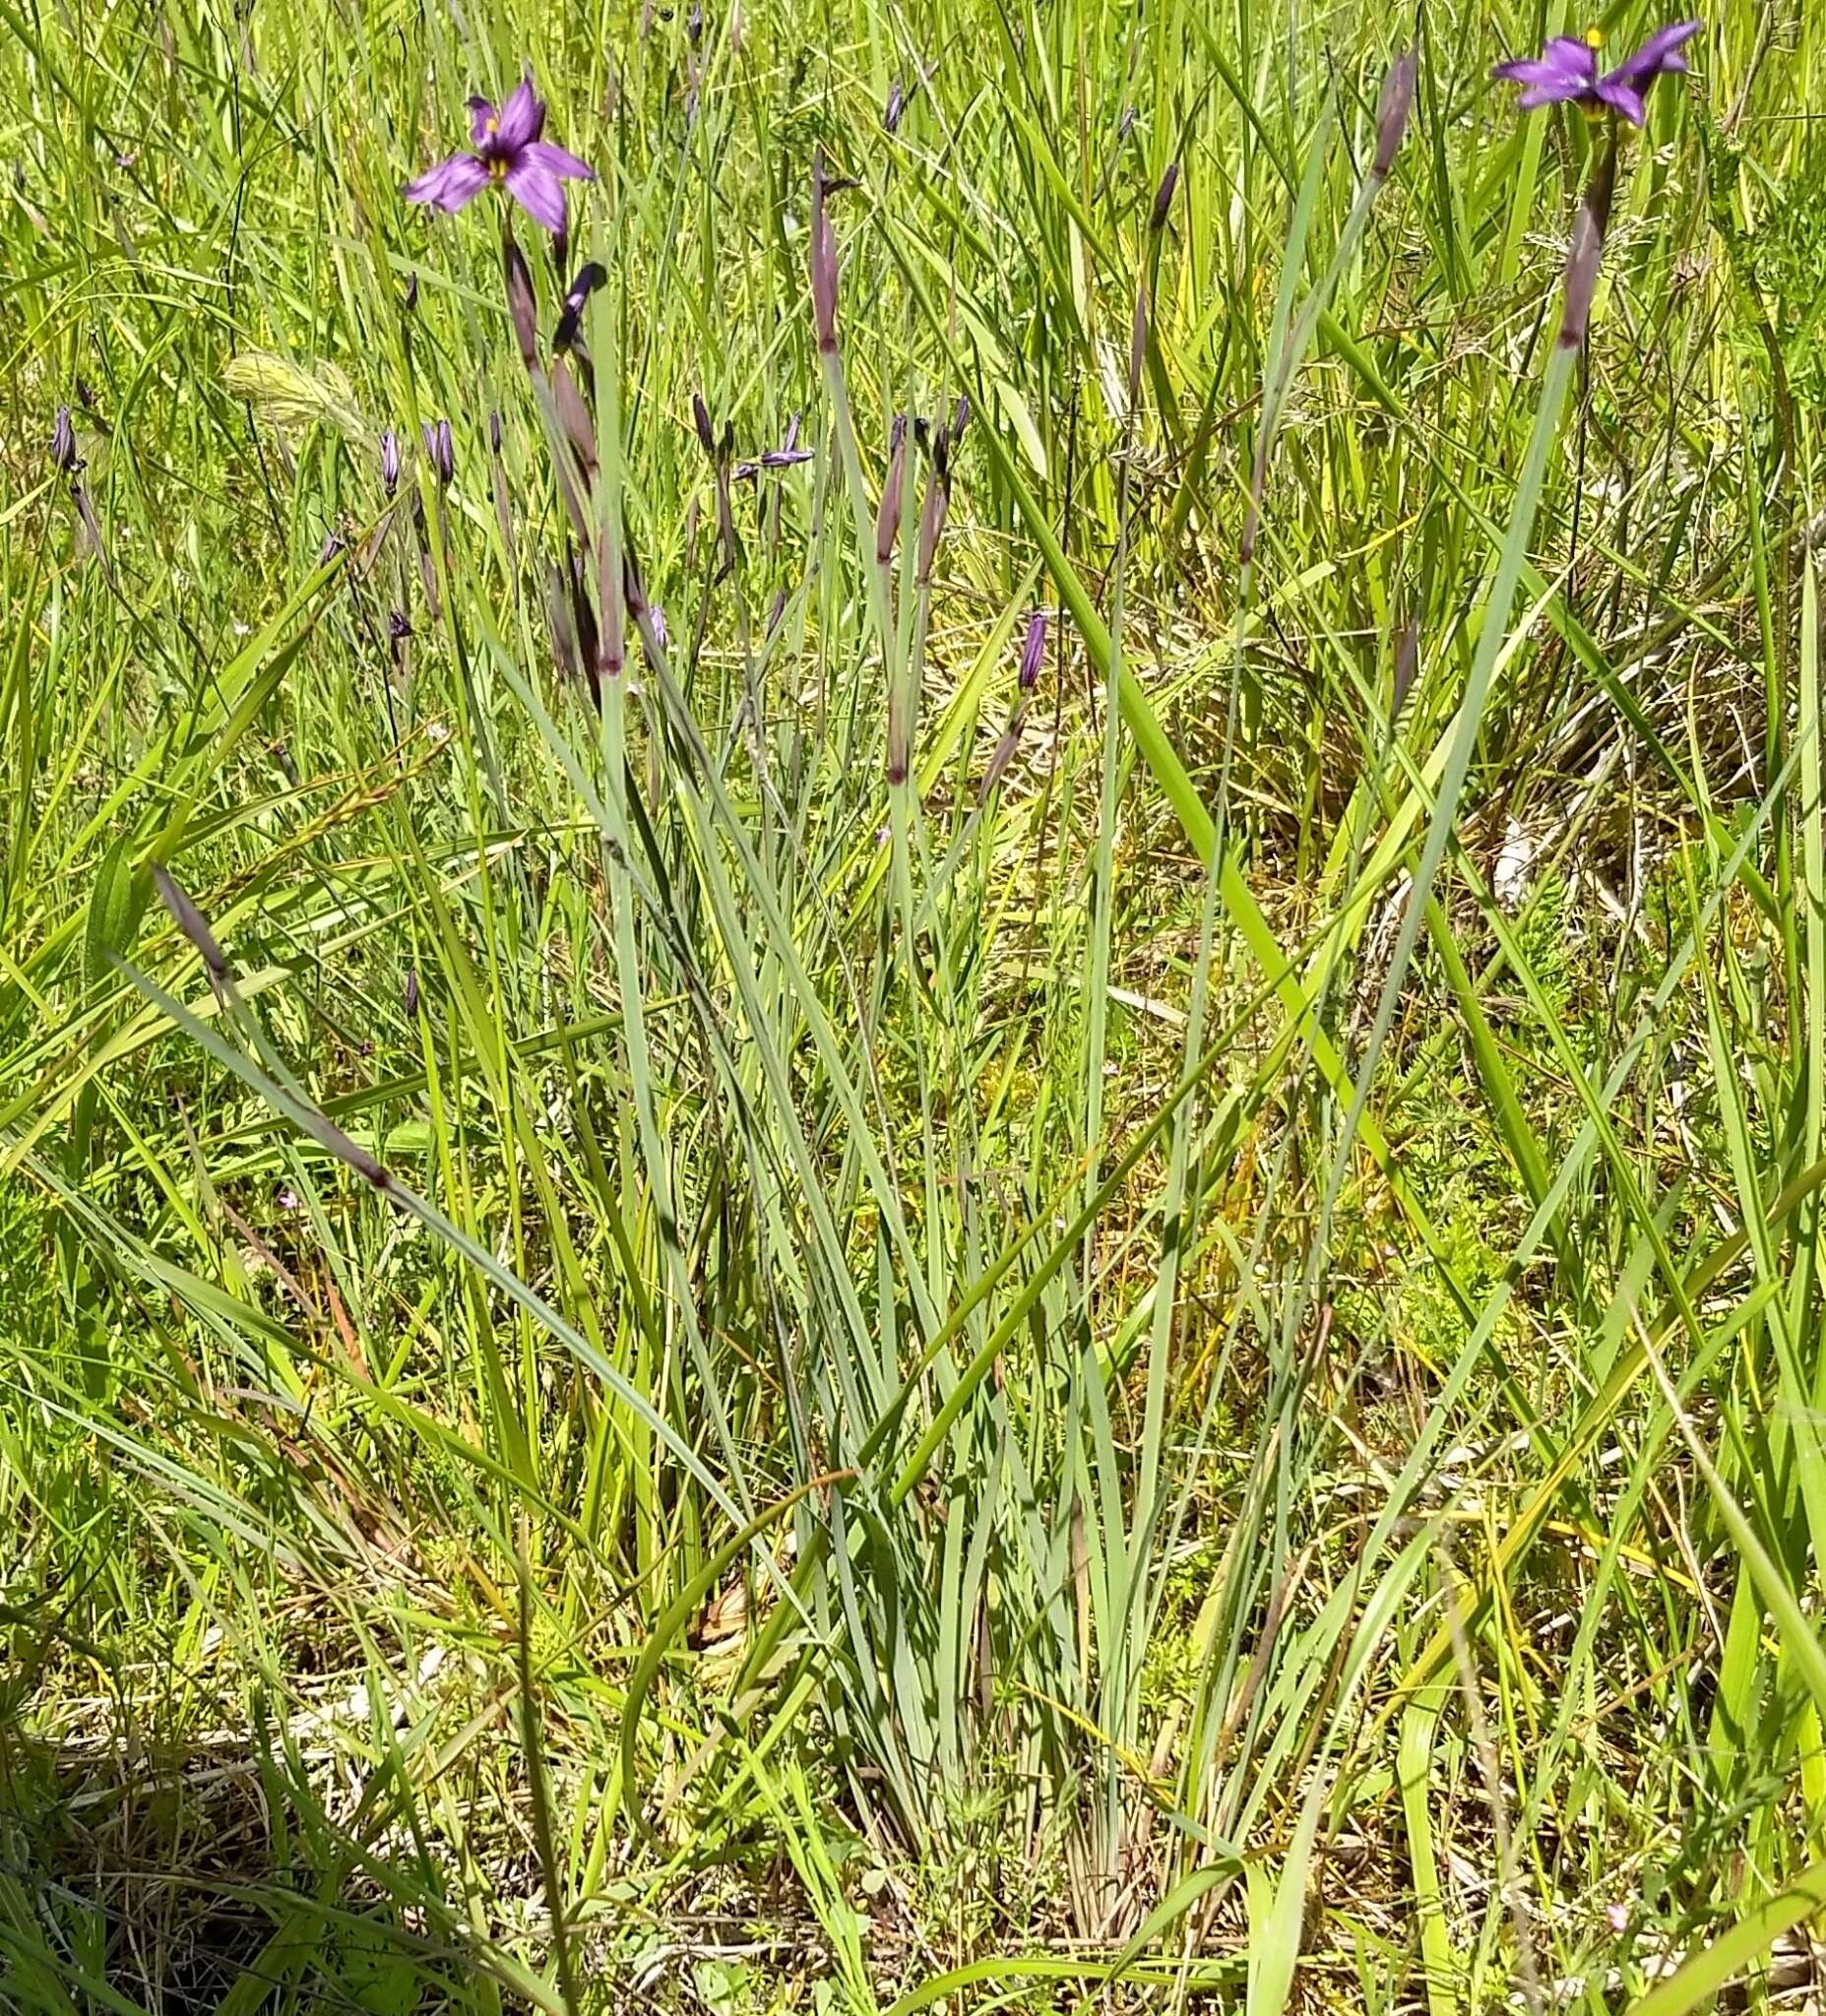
column 411, row 293
column 1004, row 754
column 888, row 516
column 390, row 460
column 960, row 419
column 1406, row 664
column 494, row 432
column 1034, row 649
column 63, row 443
column 589, row 277
column 823, row 263
column 777, row 611
column 1391, row 109
column 1137, row 344
column 932, row 516
column 440, row 449
column 1586, row 251
column 398, row 626
column 894, row 110
column 1163, row 197
column 521, row 301
column 190, row 921
column 410, row 1003
column 700, row 419
column 694, row 24
column 575, row 414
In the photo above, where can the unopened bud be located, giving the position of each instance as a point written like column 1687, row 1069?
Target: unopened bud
column 1163, row 197
column 390, row 460
column 888, row 516
column 1586, row 251
column 823, row 263
column 63, row 443
column 522, row 302
column 894, row 110
column 411, row 1002
column 1391, row 109
column 494, row 432
column 411, row 293
column 700, row 419
column 932, row 517
column 1032, row 651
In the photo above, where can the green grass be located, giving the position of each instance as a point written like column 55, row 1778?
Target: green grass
column 705, row 1381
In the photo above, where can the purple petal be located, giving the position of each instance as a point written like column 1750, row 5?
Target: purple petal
column 537, row 191
column 523, row 118
column 1662, row 51
column 551, row 156
column 1622, row 98
column 451, row 184
column 1539, row 75
column 1551, row 93
column 482, row 119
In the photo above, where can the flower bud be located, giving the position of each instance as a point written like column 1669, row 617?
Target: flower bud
column 63, row 444
column 411, row 1002
column 823, row 264
column 390, row 460
column 1586, row 250
column 1032, row 651
column 411, row 293
column 494, row 432
column 1163, row 199
column 888, row 516
column 1391, row 109
column 700, row 419
column 522, row 302
column 894, row 110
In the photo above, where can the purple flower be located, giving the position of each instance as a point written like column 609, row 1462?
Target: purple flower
column 390, row 460
column 1566, row 72
column 509, row 152
column 895, row 108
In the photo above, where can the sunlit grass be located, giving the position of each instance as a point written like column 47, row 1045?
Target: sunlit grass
column 1177, row 1356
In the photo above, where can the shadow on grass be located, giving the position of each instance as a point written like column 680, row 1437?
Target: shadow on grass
column 134, row 1881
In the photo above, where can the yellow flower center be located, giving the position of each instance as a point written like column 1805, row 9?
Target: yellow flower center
column 1594, row 38
column 494, row 125
column 497, row 173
